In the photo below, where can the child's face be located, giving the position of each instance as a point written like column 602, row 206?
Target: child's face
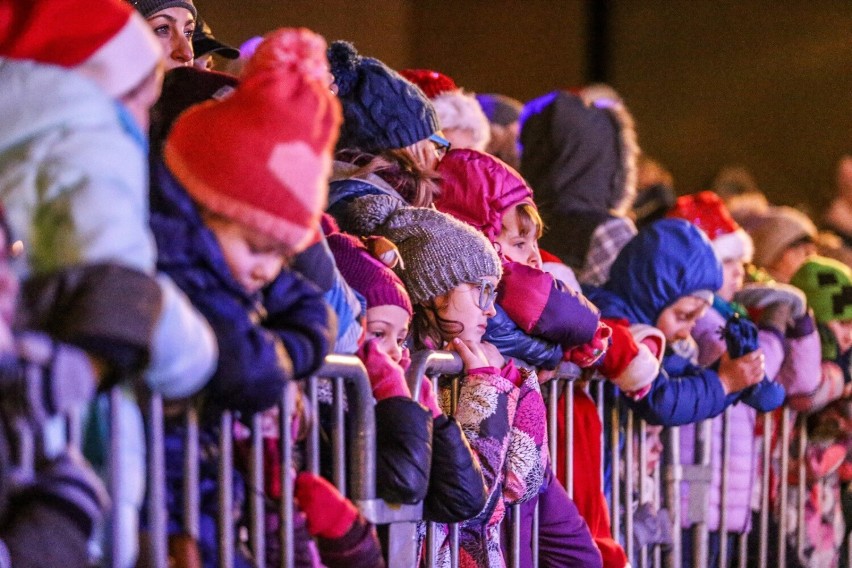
column 842, row 331
column 517, row 247
column 254, row 259
column 470, row 305
column 676, row 321
column 173, row 29
column 389, row 326
column 653, row 447
column 791, row 260
column 733, row 275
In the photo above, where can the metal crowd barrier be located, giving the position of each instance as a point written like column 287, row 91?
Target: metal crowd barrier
column 356, row 477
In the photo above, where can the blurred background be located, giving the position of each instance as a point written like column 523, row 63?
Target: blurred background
column 760, row 84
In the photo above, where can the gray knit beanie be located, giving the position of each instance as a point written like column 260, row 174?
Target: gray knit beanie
column 381, row 109
column 149, row 7
column 438, row 252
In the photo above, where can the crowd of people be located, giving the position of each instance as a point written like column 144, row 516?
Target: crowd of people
column 213, row 236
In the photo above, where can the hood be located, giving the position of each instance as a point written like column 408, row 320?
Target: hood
column 578, row 157
column 665, row 261
column 478, row 189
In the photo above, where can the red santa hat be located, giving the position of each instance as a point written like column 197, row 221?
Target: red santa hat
column 262, row 156
column 455, row 108
column 707, row 211
column 105, row 40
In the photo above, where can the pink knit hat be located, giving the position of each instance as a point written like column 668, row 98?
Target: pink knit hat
column 262, row 156
column 115, row 48
column 478, row 188
column 369, row 277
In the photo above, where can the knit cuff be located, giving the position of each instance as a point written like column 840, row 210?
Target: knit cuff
column 802, row 327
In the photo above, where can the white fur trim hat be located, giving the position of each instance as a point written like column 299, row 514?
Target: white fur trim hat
column 117, row 49
column 707, row 211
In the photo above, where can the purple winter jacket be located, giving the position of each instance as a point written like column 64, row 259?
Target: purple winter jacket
column 786, row 369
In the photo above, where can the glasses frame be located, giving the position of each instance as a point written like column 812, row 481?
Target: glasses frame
column 487, row 294
column 441, row 144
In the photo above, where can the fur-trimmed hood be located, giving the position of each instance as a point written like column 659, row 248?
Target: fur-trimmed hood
column 578, row 157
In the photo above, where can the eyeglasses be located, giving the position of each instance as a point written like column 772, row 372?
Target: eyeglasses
column 441, row 144
column 487, row 294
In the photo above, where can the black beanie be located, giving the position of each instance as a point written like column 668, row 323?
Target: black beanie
column 149, row 7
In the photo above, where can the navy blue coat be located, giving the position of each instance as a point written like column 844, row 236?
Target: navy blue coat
column 250, row 329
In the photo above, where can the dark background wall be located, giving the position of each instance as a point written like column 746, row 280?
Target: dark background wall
column 757, row 83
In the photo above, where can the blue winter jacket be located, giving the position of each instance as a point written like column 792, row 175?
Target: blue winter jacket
column 252, row 368
column 667, row 260
column 511, row 341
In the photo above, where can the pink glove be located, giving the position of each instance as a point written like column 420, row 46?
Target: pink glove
column 428, row 399
column 386, row 377
column 588, row 354
column 329, row 514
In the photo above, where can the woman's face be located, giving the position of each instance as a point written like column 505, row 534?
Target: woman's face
column 388, row 325
column 173, row 28
column 470, row 305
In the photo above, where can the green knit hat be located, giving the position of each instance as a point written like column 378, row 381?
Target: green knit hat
column 438, row 252
column 827, row 284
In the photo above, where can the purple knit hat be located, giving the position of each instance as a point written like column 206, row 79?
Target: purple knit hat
column 366, row 274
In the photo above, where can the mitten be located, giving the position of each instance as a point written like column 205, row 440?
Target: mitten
column 329, row 514
column 588, row 354
column 740, row 336
column 428, row 398
column 633, row 360
column 757, row 296
column 386, row 377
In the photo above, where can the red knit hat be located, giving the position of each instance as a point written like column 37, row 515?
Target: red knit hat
column 262, row 156
column 707, row 211
column 479, row 189
column 432, row 83
column 367, row 275
column 105, row 40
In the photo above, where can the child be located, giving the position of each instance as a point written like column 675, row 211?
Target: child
column 242, row 225
column 447, row 478
column 665, row 278
column 451, row 273
column 784, row 352
column 488, row 194
column 73, row 160
column 827, row 284
column 227, row 233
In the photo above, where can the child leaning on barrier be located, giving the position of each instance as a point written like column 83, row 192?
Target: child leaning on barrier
column 827, row 285
column 787, row 338
column 228, row 221
column 422, row 453
column 664, row 280
column 544, row 322
column 451, row 273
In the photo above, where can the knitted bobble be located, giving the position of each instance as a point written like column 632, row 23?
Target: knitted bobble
column 344, row 61
column 292, row 50
column 371, row 212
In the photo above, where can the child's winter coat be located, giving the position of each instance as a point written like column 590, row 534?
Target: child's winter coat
column 253, row 368
column 664, row 262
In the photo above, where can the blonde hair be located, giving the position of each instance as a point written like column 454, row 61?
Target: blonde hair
column 529, row 220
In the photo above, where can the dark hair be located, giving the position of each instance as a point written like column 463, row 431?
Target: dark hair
column 399, row 169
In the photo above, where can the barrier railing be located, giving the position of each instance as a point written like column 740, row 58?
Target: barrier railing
column 353, row 435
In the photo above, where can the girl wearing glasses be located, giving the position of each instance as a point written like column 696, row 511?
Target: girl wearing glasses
column 451, row 272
